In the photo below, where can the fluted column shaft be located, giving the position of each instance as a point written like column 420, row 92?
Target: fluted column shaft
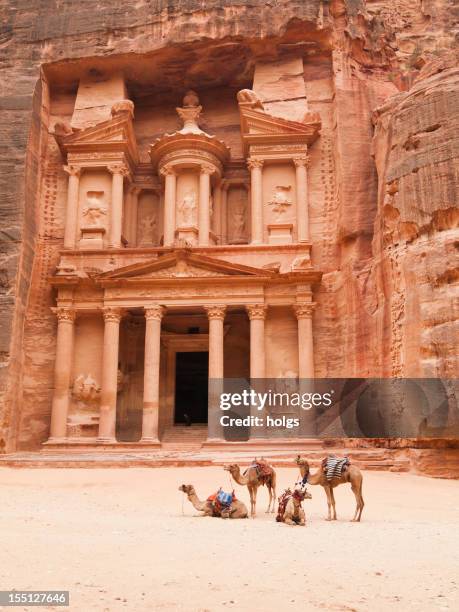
column 71, row 214
column 305, row 339
column 107, row 419
column 117, row 205
column 150, row 417
column 257, row 315
column 204, row 207
column 256, row 181
column 170, row 189
column 62, row 373
column 302, row 212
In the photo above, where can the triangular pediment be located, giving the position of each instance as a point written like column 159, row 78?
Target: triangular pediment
column 182, row 264
column 259, row 127
column 114, row 135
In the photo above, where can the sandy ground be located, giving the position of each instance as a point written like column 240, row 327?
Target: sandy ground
column 117, row 539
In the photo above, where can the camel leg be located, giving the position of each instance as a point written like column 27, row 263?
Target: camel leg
column 270, row 497
column 328, row 493
column 274, row 499
column 357, row 490
column 332, row 495
column 288, row 521
column 253, row 501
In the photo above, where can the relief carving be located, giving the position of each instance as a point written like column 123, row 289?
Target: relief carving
column 94, row 212
column 249, row 97
column 147, row 230
column 85, row 390
column 237, row 221
column 187, row 209
column 280, row 200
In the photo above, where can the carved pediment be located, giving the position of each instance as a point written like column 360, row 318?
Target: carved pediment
column 260, row 128
column 116, row 135
column 183, row 264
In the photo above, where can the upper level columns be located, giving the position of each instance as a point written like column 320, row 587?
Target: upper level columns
column 216, row 315
column 170, row 190
column 150, row 418
column 301, row 164
column 107, row 419
column 204, row 205
column 118, row 171
column 71, row 215
column 62, row 373
column 256, row 178
column 303, row 313
column 257, row 315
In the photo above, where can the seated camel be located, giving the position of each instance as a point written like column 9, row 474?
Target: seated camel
column 290, row 510
column 235, row 510
column 328, row 479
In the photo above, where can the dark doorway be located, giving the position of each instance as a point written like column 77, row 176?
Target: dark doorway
column 191, row 387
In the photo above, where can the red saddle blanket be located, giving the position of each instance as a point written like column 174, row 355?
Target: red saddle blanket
column 264, row 471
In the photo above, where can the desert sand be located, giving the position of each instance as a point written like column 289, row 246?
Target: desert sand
column 117, row 540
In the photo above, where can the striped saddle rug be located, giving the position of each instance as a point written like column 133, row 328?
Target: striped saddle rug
column 335, row 466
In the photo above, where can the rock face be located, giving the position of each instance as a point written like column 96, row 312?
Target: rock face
column 383, row 184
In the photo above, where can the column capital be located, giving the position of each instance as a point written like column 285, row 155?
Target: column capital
column 302, row 161
column 72, row 170
column 167, row 171
column 304, row 310
column 154, row 313
column 207, row 169
column 118, row 169
column 216, row 311
column 65, row 314
column 112, row 314
column 255, row 162
column 256, row 311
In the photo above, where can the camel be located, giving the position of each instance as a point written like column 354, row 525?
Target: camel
column 254, row 478
column 290, row 511
column 352, row 475
column 236, row 510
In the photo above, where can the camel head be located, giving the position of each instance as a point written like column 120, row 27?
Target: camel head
column 188, row 489
column 232, row 468
column 302, row 463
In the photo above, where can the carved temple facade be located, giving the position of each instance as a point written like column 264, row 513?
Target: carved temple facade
column 190, row 264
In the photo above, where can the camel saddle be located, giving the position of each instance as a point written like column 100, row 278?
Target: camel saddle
column 264, row 471
column 221, row 500
column 334, row 467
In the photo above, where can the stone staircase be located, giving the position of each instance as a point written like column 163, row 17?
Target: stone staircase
column 183, row 438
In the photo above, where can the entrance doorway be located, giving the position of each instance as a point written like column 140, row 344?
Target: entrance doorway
column 191, row 387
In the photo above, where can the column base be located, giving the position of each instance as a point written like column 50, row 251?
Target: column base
column 107, row 440
column 54, row 440
column 149, row 441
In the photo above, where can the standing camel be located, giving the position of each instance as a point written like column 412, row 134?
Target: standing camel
column 256, row 475
column 237, row 509
column 352, row 474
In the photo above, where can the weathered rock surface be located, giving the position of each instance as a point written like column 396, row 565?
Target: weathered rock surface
column 383, row 195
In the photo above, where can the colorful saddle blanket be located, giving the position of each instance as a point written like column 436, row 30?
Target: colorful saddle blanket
column 335, row 466
column 264, row 471
column 221, row 500
column 283, row 501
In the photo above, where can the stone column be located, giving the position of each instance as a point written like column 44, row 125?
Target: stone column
column 169, row 204
column 257, row 315
column 216, row 225
column 216, row 315
column 303, row 313
column 62, row 372
column 107, row 418
column 117, row 171
column 71, row 215
column 224, row 213
column 204, row 207
column 150, row 418
column 256, row 179
column 302, row 203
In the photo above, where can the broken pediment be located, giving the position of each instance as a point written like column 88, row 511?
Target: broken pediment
column 260, row 128
column 181, row 265
column 116, row 135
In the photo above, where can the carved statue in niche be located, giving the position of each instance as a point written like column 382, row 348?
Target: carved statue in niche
column 85, row 390
column 94, row 211
column 249, row 97
column 187, row 209
column 280, row 200
column 147, row 230
column 238, row 221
